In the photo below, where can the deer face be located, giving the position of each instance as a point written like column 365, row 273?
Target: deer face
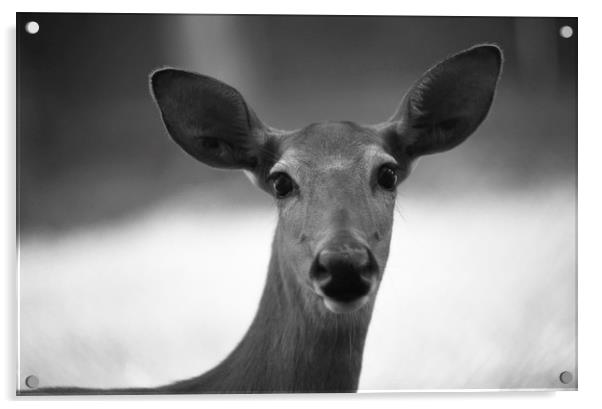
column 334, row 183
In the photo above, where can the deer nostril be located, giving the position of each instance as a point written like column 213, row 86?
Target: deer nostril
column 320, row 274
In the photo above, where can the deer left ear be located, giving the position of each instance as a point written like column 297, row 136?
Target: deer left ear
column 447, row 104
column 209, row 119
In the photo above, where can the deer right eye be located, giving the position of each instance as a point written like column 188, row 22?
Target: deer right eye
column 387, row 177
column 282, row 184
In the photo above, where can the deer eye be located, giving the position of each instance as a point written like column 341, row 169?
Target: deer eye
column 387, row 177
column 282, row 184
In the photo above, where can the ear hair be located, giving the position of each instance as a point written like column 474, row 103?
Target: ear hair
column 447, row 104
column 208, row 118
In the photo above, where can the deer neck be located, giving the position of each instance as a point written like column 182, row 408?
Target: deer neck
column 293, row 344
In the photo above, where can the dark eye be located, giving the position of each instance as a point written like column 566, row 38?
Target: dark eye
column 387, row 177
column 282, row 184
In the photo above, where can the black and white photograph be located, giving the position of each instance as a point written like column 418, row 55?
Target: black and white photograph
column 294, row 204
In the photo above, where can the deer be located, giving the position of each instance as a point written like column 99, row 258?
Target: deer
column 334, row 185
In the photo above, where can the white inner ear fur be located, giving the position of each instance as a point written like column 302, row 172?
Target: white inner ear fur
column 413, row 164
column 251, row 177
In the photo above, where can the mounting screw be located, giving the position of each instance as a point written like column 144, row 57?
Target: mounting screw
column 32, row 27
column 566, row 377
column 566, row 31
column 32, row 381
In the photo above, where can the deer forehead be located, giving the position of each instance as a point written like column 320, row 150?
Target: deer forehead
column 298, row 162
column 330, row 148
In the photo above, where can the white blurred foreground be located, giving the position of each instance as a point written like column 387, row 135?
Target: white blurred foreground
column 479, row 292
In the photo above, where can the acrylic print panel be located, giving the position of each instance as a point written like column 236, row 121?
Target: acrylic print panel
column 382, row 243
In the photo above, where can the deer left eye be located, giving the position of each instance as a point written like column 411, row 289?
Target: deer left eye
column 387, row 178
column 282, row 184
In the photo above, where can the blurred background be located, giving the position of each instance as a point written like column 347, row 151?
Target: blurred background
column 125, row 240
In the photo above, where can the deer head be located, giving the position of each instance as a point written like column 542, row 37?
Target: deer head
column 334, row 183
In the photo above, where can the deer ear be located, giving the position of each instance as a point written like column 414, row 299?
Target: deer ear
column 447, row 104
column 208, row 119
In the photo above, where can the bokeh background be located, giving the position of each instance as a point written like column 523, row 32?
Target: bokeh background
column 125, row 270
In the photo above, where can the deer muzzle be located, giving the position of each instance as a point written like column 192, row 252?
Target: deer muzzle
column 344, row 275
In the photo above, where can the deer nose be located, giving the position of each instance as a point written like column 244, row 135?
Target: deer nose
column 343, row 258
column 344, row 273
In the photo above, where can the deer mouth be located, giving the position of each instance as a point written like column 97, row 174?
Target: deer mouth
column 345, row 296
column 345, row 307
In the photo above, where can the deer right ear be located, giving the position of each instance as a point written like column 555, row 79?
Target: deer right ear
column 208, row 119
column 447, row 104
